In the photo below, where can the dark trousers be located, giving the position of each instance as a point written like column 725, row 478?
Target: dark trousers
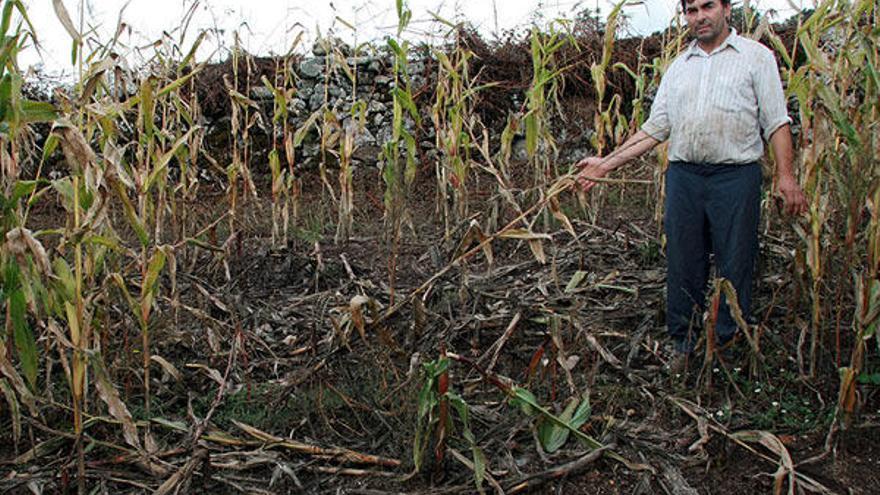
column 709, row 209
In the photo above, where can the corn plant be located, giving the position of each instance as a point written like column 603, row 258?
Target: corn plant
column 450, row 113
column 285, row 184
column 542, row 95
column 347, row 146
column 242, row 119
column 603, row 123
column 836, row 159
column 435, row 398
column 399, row 176
column 23, row 260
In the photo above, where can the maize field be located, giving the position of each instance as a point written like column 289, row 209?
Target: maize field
column 368, row 268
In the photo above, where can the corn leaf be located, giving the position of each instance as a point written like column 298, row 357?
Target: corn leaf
column 148, row 287
column 553, row 436
column 161, row 166
column 527, row 402
column 115, row 405
column 14, row 409
column 25, row 343
column 134, row 220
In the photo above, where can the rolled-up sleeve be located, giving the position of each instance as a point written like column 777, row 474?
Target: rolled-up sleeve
column 657, row 125
column 772, row 111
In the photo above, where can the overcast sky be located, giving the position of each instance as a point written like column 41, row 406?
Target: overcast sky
column 271, row 26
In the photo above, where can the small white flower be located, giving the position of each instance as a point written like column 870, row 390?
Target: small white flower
column 758, row 390
column 775, row 404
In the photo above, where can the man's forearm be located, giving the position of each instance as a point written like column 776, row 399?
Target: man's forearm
column 637, row 145
column 783, row 153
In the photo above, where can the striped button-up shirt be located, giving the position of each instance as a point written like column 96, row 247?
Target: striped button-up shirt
column 716, row 107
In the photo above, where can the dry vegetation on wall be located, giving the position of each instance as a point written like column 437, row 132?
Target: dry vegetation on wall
column 367, row 270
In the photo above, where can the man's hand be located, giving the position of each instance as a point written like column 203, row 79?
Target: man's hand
column 591, row 168
column 792, row 195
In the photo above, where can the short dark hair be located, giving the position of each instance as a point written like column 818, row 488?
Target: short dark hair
column 685, row 2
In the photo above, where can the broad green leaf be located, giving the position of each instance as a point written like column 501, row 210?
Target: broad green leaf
column 37, row 111
column 554, row 436
column 531, row 133
column 65, row 282
column 14, row 409
column 22, row 189
column 148, row 289
column 300, row 133
column 527, row 402
column 406, row 100
column 190, row 56
column 161, row 166
column 50, row 145
column 133, row 220
column 25, row 343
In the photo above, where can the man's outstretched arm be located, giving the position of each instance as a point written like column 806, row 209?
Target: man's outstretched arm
column 595, row 167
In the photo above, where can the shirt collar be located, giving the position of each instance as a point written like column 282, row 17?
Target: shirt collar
column 733, row 40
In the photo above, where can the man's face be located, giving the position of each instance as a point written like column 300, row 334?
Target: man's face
column 707, row 19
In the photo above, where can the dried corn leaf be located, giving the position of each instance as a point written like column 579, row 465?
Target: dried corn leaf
column 21, row 241
column 355, row 307
column 775, row 445
column 476, row 235
column 166, row 366
column 115, row 406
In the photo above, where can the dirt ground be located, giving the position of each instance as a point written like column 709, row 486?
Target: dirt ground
column 301, row 402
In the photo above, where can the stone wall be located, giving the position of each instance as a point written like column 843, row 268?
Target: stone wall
column 322, row 84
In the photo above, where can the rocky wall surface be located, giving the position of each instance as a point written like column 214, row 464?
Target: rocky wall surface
column 323, row 85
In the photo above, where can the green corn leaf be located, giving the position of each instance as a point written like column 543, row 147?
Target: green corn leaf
column 190, row 56
column 65, row 282
column 22, row 188
column 161, row 166
column 133, row 220
column 527, row 402
column 14, row 409
column 531, row 121
column 37, row 111
column 576, row 413
column 301, row 133
column 841, row 119
column 7, row 18
column 50, row 145
column 148, row 287
column 406, row 100
column 25, row 343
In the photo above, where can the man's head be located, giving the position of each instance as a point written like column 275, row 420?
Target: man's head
column 707, row 20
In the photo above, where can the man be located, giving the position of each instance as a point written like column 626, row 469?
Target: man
column 714, row 104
